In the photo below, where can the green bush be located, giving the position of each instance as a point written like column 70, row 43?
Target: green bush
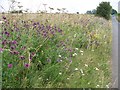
column 119, row 17
column 104, row 10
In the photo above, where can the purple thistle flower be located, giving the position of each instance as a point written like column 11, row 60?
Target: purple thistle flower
column 70, row 61
column 23, row 48
column 7, row 33
column 4, row 17
column 32, row 53
column 48, row 60
column 4, row 42
column 34, row 24
column 59, row 30
column 10, row 65
column 42, row 28
column 27, row 65
column 14, row 42
column 52, row 32
column 14, row 52
column 31, row 57
column 22, row 57
column 1, row 50
column 12, row 47
column 44, row 34
column 17, row 29
column 48, row 27
column 44, row 31
column 70, row 50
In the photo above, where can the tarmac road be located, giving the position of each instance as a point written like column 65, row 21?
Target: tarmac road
column 114, row 52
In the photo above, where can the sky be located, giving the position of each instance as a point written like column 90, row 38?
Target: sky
column 72, row 6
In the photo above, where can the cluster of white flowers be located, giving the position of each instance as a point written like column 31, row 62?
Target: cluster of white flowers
column 86, row 65
column 1, row 22
column 60, row 60
column 107, row 86
column 60, row 73
column 68, row 78
column 74, row 54
column 88, row 83
column 96, row 69
column 82, row 72
column 59, row 55
column 76, row 69
column 81, row 52
column 76, row 48
column 97, row 86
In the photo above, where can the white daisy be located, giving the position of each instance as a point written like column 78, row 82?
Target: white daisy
column 60, row 73
column 76, row 69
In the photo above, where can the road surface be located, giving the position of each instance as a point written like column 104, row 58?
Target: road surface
column 114, row 52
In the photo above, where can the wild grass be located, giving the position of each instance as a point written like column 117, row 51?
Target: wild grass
column 55, row 51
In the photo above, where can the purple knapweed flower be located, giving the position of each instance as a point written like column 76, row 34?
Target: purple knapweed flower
column 70, row 49
column 70, row 61
column 10, row 65
column 7, row 34
column 27, row 65
column 31, row 57
column 14, row 42
column 44, row 34
column 34, row 24
column 12, row 47
column 17, row 29
column 22, row 57
column 48, row 27
column 1, row 50
column 33, row 53
column 4, row 17
column 48, row 60
column 59, row 30
column 4, row 42
column 23, row 48
column 52, row 32
column 14, row 52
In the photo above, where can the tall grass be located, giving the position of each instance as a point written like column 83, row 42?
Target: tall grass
column 55, row 50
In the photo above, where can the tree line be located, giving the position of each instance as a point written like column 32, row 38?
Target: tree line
column 103, row 10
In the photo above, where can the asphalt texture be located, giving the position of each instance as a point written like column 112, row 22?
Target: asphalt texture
column 114, row 52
